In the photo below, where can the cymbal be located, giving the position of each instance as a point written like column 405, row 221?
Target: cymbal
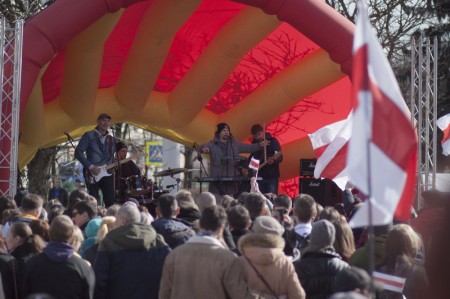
column 170, row 171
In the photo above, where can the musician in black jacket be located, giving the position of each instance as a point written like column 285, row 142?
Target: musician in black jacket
column 96, row 148
column 269, row 169
column 125, row 173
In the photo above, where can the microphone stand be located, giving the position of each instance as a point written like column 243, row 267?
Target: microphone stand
column 200, row 159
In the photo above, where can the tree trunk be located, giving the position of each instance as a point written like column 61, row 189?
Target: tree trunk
column 39, row 171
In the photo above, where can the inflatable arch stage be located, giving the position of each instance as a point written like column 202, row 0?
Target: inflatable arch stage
column 179, row 67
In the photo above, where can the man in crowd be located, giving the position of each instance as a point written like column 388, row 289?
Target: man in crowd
column 130, row 258
column 95, row 150
column 203, row 267
column 58, row 271
column 82, row 213
column 269, row 159
column 31, row 208
column 58, row 192
column 175, row 231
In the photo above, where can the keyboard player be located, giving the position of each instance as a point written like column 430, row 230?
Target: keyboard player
column 224, row 150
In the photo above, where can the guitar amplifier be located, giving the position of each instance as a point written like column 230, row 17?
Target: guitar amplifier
column 307, row 167
column 324, row 191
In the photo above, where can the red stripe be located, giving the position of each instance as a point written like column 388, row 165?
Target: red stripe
column 446, row 134
column 390, row 282
column 319, row 151
column 337, row 164
column 391, row 130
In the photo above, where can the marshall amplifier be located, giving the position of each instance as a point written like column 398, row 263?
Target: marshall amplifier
column 325, row 192
column 307, row 167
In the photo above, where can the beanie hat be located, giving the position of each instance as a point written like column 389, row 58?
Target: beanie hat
column 92, row 227
column 221, row 127
column 267, row 225
column 322, row 235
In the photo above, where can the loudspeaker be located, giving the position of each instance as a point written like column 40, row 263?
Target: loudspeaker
column 307, row 167
column 324, row 191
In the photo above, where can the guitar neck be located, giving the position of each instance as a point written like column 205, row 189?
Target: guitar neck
column 112, row 165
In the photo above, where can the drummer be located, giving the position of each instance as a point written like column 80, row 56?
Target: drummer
column 125, row 171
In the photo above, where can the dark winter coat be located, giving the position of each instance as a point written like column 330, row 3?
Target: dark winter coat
column 273, row 170
column 317, row 272
column 175, row 231
column 60, row 273
column 129, row 263
column 8, row 270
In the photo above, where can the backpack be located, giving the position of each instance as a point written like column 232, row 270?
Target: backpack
column 301, row 241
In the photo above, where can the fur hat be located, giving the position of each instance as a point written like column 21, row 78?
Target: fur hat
column 322, row 235
column 267, row 225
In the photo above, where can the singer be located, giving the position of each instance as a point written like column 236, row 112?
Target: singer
column 224, row 151
column 95, row 149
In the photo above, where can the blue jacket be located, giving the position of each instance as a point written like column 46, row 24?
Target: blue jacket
column 129, row 263
column 175, row 231
column 99, row 149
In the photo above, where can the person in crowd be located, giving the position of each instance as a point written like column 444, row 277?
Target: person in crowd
column 82, row 213
column 189, row 210
column 113, row 210
column 224, row 150
column 74, row 197
column 269, row 159
column 91, row 235
column 55, row 211
column 226, row 202
column 354, row 282
column 8, row 273
column 221, row 278
column 205, row 200
column 266, row 268
column 360, row 258
column 239, row 222
column 319, row 265
column 6, row 203
column 40, row 228
column 344, row 243
column 107, row 224
column 30, row 208
column 95, row 149
column 305, row 213
column 175, row 231
column 57, row 271
column 255, row 203
column 401, row 249
column 130, row 258
column 126, row 170
column 58, row 192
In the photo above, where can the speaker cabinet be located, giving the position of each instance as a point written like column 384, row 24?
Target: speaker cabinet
column 324, row 191
column 307, row 167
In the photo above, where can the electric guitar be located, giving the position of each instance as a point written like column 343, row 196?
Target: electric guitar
column 275, row 156
column 93, row 178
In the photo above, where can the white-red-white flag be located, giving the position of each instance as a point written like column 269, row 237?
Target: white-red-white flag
column 254, row 164
column 389, row 282
column 382, row 153
column 443, row 123
column 330, row 145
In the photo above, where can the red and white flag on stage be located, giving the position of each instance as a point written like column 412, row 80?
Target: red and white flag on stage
column 443, row 123
column 330, row 144
column 382, row 152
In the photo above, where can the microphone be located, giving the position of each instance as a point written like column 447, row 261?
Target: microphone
column 199, row 155
column 170, row 186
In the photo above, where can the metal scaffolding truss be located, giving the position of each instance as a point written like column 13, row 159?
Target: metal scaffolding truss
column 11, row 42
column 424, row 66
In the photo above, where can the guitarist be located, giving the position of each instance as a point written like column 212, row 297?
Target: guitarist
column 96, row 148
column 270, row 171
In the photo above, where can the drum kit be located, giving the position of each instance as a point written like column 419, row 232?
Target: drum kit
column 141, row 187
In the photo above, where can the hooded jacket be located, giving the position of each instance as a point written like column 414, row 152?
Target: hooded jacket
column 58, row 272
column 174, row 231
column 265, row 252
column 129, row 263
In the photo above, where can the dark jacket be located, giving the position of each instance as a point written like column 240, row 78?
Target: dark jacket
column 317, row 272
column 59, row 273
column 273, row 170
column 129, row 263
column 175, row 231
column 60, row 194
column 8, row 270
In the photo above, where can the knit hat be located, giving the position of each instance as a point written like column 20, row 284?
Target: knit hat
column 92, row 227
column 322, row 235
column 221, row 127
column 267, row 225
column 354, row 278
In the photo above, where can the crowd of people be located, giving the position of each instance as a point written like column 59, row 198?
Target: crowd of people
column 198, row 247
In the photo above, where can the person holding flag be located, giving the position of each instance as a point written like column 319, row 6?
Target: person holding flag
column 269, row 159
